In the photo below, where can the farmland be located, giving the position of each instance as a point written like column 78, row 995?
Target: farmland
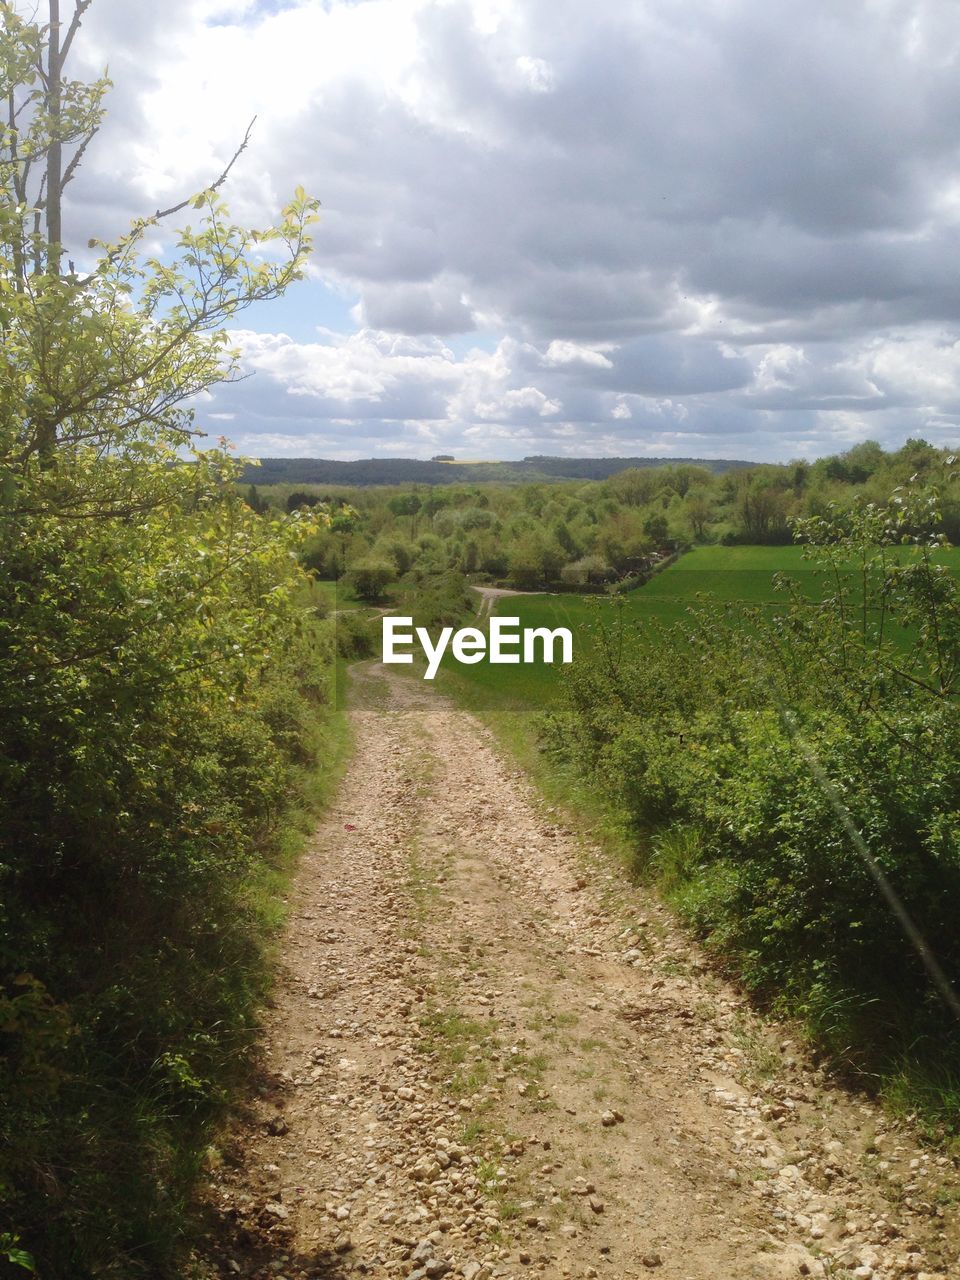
column 705, row 576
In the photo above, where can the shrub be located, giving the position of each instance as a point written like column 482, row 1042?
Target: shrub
column 358, row 635
column 161, row 697
column 794, row 780
column 441, row 600
column 369, row 579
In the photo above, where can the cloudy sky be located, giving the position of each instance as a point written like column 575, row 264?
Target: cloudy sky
column 716, row 228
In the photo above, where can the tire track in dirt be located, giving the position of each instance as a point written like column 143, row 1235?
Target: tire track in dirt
column 489, row 1055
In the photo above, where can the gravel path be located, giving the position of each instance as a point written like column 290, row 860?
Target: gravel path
column 489, row 1055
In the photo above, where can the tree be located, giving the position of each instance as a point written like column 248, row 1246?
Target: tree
column 397, row 551
column 525, row 564
column 698, row 511
column 682, row 477
column 300, row 498
column 655, row 527
column 564, row 538
column 764, row 511
column 588, row 569
column 102, row 355
column 469, row 556
column 369, row 579
column 856, row 465
column 260, row 505
column 155, row 674
column 406, row 504
column 634, row 487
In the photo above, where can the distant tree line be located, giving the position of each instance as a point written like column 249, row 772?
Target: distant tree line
column 581, row 534
column 389, row 471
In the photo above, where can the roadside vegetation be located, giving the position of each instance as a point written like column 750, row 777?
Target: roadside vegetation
column 583, row 536
column 787, row 770
column 167, row 695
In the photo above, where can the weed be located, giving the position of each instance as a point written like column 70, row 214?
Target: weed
column 761, row 1060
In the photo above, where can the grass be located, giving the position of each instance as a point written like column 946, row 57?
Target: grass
column 334, row 595
column 926, row 1092
column 509, row 698
column 762, row 1061
column 146, row 1136
column 267, row 888
column 449, row 1032
column 725, row 575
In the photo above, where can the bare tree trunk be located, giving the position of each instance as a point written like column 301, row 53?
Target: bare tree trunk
column 55, row 153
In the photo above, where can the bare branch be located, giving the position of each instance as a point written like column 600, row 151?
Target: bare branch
column 78, row 156
column 214, row 186
column 81, row 9
column 166, row 213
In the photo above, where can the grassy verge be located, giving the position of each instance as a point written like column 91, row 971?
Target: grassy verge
column 264, row 900
column 919, row 1085
column 313, row 791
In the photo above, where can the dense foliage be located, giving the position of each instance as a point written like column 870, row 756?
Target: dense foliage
column 793, row 777
column 161, row 697
column 576, row 535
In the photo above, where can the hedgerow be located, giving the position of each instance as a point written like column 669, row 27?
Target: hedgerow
column 793, row 779
column 162, row 696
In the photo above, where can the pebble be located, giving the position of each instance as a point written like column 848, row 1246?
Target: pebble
column 377, row 1128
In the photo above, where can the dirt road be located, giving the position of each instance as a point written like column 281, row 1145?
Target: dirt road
column 490, row 595
column 489, row 1056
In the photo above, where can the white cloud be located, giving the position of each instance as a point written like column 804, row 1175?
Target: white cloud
column 536, row 74
column 778, row 366
column 567, row 355
column 922, row 368
column 626, row 206
column 513, row 403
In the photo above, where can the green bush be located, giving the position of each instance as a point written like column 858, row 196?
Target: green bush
column 794, row 782
column 162, row 697
column 369, row 580
column 358, row 634
column 440, row 599
column 141, row 796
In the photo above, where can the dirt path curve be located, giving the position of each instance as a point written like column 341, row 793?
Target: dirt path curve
column 489, row 596
column 489, row 1056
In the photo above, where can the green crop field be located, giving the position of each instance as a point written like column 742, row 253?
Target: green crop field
column 727, row 575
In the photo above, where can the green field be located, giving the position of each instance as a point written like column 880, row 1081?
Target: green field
column 334, row 596
column 727, row 575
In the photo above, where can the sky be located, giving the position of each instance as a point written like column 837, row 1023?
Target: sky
column 719, row 229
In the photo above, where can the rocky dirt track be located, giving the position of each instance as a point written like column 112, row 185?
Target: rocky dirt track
column 490, row 1055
